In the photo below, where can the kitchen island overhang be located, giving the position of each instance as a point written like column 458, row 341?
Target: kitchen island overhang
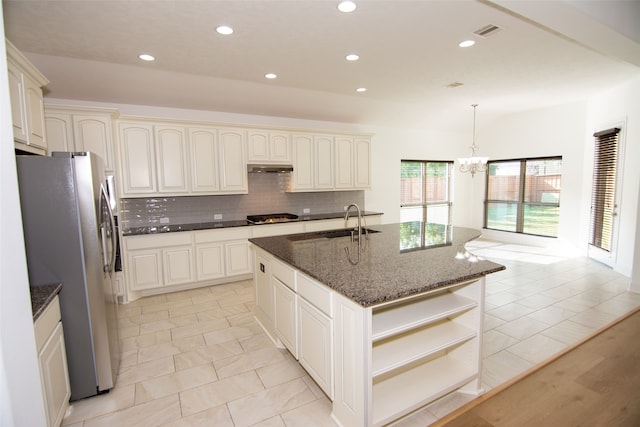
column 385, row 325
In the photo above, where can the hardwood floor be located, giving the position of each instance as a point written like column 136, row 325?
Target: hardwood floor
column 595, row 383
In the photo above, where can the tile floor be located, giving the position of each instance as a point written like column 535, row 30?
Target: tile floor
column 198, row 358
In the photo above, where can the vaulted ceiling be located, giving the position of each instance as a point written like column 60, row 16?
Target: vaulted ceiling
column 415, row 74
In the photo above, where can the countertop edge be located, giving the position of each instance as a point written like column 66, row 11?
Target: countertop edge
column 41, row 297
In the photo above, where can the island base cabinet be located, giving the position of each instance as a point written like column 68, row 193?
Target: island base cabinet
column 285, row 312
column 315, row 345
column 352, row 358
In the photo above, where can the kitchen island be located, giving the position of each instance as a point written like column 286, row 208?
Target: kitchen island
column 384, row 324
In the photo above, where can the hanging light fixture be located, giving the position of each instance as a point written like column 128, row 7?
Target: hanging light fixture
column 474, row 163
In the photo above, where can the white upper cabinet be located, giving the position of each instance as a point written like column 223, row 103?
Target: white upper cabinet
column 362, row 162
column 323, row 162
column 205, row 169
column 330, row 162
column 171, row 159
column 77, row 129
column 344, row 162
column 137, row 159
column 268, row 147
column 94, row 133
column 27, row 105
column 233, row 162
column 302, row 176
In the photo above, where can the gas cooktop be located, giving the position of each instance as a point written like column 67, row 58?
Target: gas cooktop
column 271, row 218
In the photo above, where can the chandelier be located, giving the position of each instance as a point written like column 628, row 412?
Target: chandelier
column 474, row 163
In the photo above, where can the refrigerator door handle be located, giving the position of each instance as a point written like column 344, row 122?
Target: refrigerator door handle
column 109, row 259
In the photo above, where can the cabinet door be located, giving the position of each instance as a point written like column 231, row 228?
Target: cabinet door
column 315, row 345
column 59, row 132
column 280, row 147
column 171, row 157
column 237, row 258
column 302, row 178
column 204, row 160
column 137, row 157
column 344, row 162
column 54, row 374
column 18, row 108
column 323, row 162
column 94, row 134
column 362, row 163
column 285, row 320
column 264, row 290
column 145, row 269
column 178, row 265
column 209, row 261
column 233, row 167
column 34, row 104
column 258, row 146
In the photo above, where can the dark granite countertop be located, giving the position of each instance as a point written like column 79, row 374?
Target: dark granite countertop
column 397, row 261
column 41, row 296
column 168, row 228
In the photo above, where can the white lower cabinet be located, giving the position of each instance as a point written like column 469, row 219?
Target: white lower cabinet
column 210, row 261
column 178, row 265
column 145, row 269
column 52, row 356
column 167, row 262
column 237, row 258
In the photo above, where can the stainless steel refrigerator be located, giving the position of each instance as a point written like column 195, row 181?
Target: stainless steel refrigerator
column 70, row 239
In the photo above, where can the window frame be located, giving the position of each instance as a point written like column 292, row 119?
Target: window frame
column 521, row 203
column 426, row 204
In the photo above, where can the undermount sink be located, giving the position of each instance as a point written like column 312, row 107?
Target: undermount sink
column 330, row 234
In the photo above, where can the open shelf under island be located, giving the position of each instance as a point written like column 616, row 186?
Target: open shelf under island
column 384, row 325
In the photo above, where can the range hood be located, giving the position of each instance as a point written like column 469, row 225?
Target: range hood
column 262, row 168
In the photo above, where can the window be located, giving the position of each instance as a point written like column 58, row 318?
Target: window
column 523, row 196
column 425, row 191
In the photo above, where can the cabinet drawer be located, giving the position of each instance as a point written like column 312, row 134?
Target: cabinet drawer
column 317, row 294
column 47, row 322
column 285, row 274
column 158, row 240
column 220, row 235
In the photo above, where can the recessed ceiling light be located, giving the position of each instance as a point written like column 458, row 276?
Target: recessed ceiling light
column 146, row 57
column 347, row 6
column 352, row 57
column 270, row 75
column 467, row 43
column 361, row 89
column 224, row 30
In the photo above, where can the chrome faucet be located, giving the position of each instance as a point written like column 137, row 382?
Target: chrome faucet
column 346, row 219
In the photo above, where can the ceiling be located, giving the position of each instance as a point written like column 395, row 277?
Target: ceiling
column 547, row 52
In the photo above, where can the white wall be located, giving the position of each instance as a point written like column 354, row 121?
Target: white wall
column 21, row 401
column 621, row 105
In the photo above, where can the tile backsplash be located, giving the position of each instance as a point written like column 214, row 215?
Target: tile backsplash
column 266, row 195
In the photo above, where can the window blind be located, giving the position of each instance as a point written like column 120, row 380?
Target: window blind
column 603, row 188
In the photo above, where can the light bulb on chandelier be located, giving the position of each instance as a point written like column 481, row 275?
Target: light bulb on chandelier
column 474, row 163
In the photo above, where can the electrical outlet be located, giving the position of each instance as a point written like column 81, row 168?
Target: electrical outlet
column 164, row 220
column 345, row 208
column 306, row 210
column 217, row 216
